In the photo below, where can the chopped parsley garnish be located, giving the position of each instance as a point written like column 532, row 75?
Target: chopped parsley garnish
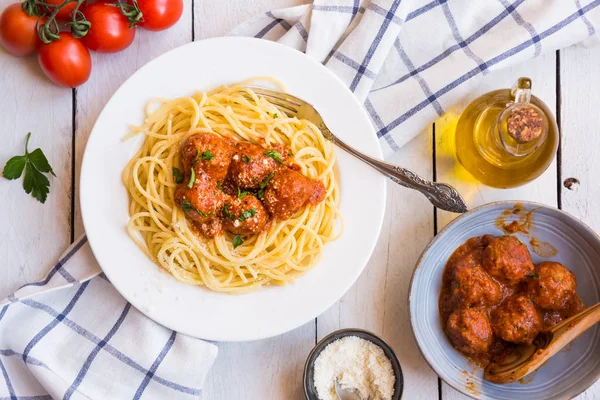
column 205, row 215
column 246, row 159
column 535, row 276
column 35, row 165
column 186, row 206
column 241, row 194
column 192, row 178
column 227, row 213
column 247, row 214
column 275, row 155
column 177, row 175
column 196, row 158
column 263, row 185
column 237, row 241
column 275, row 116
column 207, row 155
column 219, row 186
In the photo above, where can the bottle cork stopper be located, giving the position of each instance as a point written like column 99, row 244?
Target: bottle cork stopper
column 525, row 124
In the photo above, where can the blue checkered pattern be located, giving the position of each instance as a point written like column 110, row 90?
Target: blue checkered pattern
column 67, row 344
column 411, row 60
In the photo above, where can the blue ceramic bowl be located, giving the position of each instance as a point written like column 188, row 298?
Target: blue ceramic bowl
column 569, row 372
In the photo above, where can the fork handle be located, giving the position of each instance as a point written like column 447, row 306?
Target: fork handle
column 440, row 195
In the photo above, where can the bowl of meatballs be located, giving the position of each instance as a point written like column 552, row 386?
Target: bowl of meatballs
column 481, row 289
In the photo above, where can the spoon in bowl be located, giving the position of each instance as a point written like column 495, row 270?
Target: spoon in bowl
column 345, row 394
column 528, row 358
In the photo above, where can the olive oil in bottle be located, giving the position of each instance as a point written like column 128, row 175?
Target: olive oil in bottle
column 507, row 137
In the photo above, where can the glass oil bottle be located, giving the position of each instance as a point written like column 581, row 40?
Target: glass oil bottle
column 507, row 137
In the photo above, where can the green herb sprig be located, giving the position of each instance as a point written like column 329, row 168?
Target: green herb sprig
column 35, row 165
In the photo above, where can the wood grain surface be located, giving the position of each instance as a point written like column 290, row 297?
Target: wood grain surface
column 32, row 235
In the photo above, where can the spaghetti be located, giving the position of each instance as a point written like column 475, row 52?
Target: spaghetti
column 276, row 256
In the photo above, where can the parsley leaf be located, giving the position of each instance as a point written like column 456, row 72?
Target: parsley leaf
column 275, row 116
column 275, row 155
column 237, row 241
column 263, row 185
column 186, row 206
column 535, row 276
column 227, row 213
column 242, row 194
column 196, row 157
column 192, row 179
column 207, row 155
column 177, row 175
column 40, row 162
column 14, row 167
column 246, row 159
column 35, row 165
column 219, row 186
column 247, row 214
column 205, row 215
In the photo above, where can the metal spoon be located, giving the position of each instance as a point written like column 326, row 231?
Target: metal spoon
column 527, row 359
column 345, row 394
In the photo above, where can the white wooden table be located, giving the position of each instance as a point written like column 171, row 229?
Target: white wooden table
column 33, row 235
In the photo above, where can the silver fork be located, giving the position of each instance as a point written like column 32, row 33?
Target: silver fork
column 440, row 195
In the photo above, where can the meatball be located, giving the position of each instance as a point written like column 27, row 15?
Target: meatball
column 469, row 330
column 552, row 286
column 472, row 286
column 208, row 152
column 289, row 191
column 245, row 216
column 507, row 259
column 201, row 203
column 251, row 164
column 516, row 320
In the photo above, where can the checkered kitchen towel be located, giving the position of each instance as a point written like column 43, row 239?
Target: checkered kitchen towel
column 72, row 336
column 409, row 61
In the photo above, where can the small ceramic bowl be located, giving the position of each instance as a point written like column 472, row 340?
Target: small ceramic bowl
column 565, row 375
column 309, row 383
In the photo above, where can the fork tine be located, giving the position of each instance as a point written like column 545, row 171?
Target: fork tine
column 285, row 106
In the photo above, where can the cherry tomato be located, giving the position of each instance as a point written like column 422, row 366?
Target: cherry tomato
column 18, row 35
column 110, row 30
column 64, row 14
column 160, row 14
column 66, row 61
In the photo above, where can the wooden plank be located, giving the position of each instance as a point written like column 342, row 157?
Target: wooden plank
column 271, row 368
column 542, row 71
column 213, row 18
column 580, row 142
column 109, row 71
column 33, row 235
column 378, row 300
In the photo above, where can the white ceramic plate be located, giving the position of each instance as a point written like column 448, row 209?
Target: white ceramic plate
column 193, row 310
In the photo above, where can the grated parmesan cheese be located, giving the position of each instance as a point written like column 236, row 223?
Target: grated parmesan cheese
column 357, row 364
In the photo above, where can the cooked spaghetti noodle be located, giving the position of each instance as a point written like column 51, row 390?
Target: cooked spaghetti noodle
column 160, row 228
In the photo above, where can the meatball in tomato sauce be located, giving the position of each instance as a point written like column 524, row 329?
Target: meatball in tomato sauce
column 245, row 216
column 516, row 320
column 551, row 286
column 201, row 203
column 472, row 286
column 288, row 191
column 208, row 152
column 470, row 331
column 251, row 164
column 507, row 259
